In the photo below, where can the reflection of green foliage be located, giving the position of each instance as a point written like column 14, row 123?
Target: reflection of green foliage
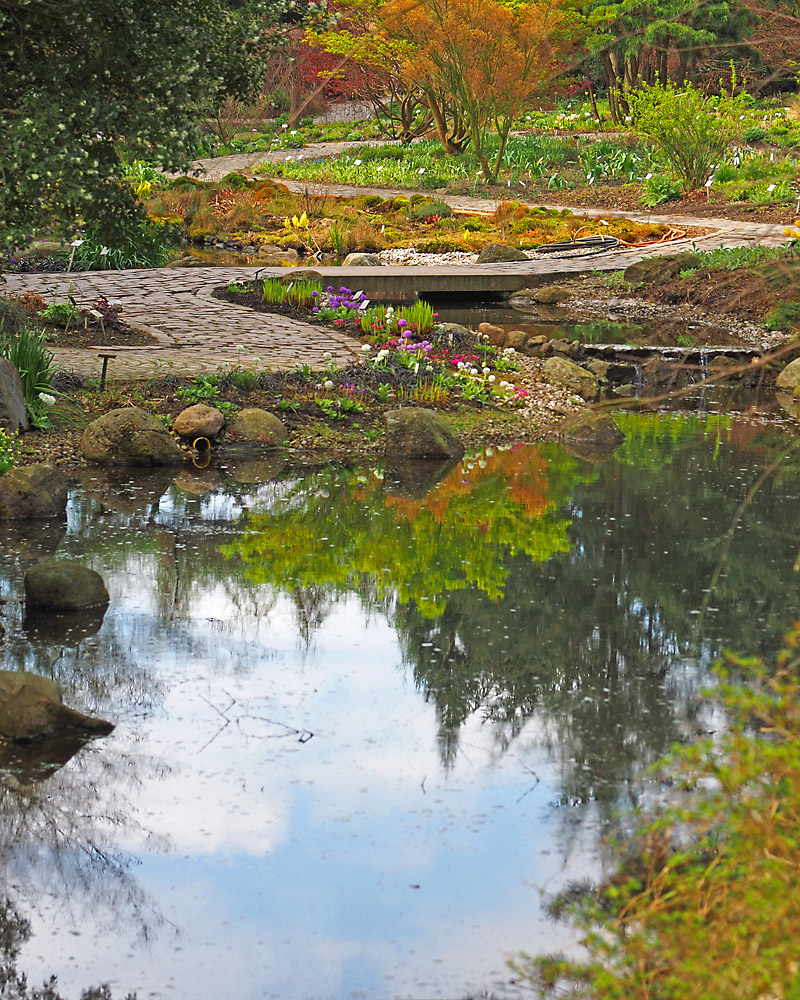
column 652, row 443
column 678, row 923
column 337, row 528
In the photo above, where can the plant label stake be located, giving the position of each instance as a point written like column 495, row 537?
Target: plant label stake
column 106, row 357
column 74, row 245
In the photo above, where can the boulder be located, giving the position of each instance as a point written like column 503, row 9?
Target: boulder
column 32, row 491
column 526, row 299
column 500, row 253
column 496, row 334
column 563, row 372
column 454, row 336
column 301, row 274
column 64, row 585
column 129, row 436
column 591, row 436
column 789, row 378
column 258, row 426
column 13, row 412
column 660, row 269
column 362, row 260
column 551, row 295
column 413, row 432
column 31, row 709
column 518, row 339
column 199, row 421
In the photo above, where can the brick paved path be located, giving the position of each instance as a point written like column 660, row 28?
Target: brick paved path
column 197, row 333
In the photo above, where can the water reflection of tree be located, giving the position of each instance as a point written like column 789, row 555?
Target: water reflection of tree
column 602, row 644
column 60, row 837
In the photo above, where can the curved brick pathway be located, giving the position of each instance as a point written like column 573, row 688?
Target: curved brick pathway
column 196, row 333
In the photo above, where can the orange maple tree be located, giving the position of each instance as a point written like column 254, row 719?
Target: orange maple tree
column 489, row 57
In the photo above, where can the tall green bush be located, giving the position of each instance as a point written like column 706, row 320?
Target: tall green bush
column 691, row 131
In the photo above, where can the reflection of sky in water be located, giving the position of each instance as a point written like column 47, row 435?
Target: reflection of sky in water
column 264, row 863
column 344, row 865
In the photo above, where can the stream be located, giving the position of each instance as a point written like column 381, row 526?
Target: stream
column 369, row 720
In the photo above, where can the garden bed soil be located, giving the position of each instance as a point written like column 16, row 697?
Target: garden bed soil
column 626, row 199
column 100, row 325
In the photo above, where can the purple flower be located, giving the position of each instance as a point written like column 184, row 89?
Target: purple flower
column 314, row 294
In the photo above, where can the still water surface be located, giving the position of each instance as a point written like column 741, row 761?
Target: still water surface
column 366, row 719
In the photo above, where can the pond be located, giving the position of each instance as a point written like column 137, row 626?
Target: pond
column 368, row 720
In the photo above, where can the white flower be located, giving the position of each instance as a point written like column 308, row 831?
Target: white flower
column 327, row 356
column 366, row 347
column 491, row 378
column 47, row 399
column 328, row 384
column 421, row 171
column 357, row 163
column 294, row 132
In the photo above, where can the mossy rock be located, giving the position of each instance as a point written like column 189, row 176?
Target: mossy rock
column 234, row 180
column 186, row 184
column 413, row 432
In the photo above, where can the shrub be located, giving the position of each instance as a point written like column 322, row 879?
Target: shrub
column 12, row 317
column 59, row 312
column 140, row 244
column 691, row 132
column 754, row 134
column 429, row 207
column 784, row 316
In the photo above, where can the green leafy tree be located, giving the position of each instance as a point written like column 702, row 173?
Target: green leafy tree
column 86, row 83
column 645, row 41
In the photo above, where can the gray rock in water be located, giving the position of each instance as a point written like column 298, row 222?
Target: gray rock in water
column 500, row 253
column 362, row 260
column 259, row 426
column 591, row 436
column 31, row 709
column 413, row 432
column 129, row 436
column 64, row 585
column 789, row 378
column 32, row 492
column 13, row 412
column 199, row 421
column 562, row 371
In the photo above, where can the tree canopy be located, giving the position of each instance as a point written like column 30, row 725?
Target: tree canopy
column 84, row 83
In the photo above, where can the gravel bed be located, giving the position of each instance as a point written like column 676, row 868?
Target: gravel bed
column 409, row 257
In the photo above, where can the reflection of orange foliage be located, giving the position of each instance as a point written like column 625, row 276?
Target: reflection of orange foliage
column 524, row 470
